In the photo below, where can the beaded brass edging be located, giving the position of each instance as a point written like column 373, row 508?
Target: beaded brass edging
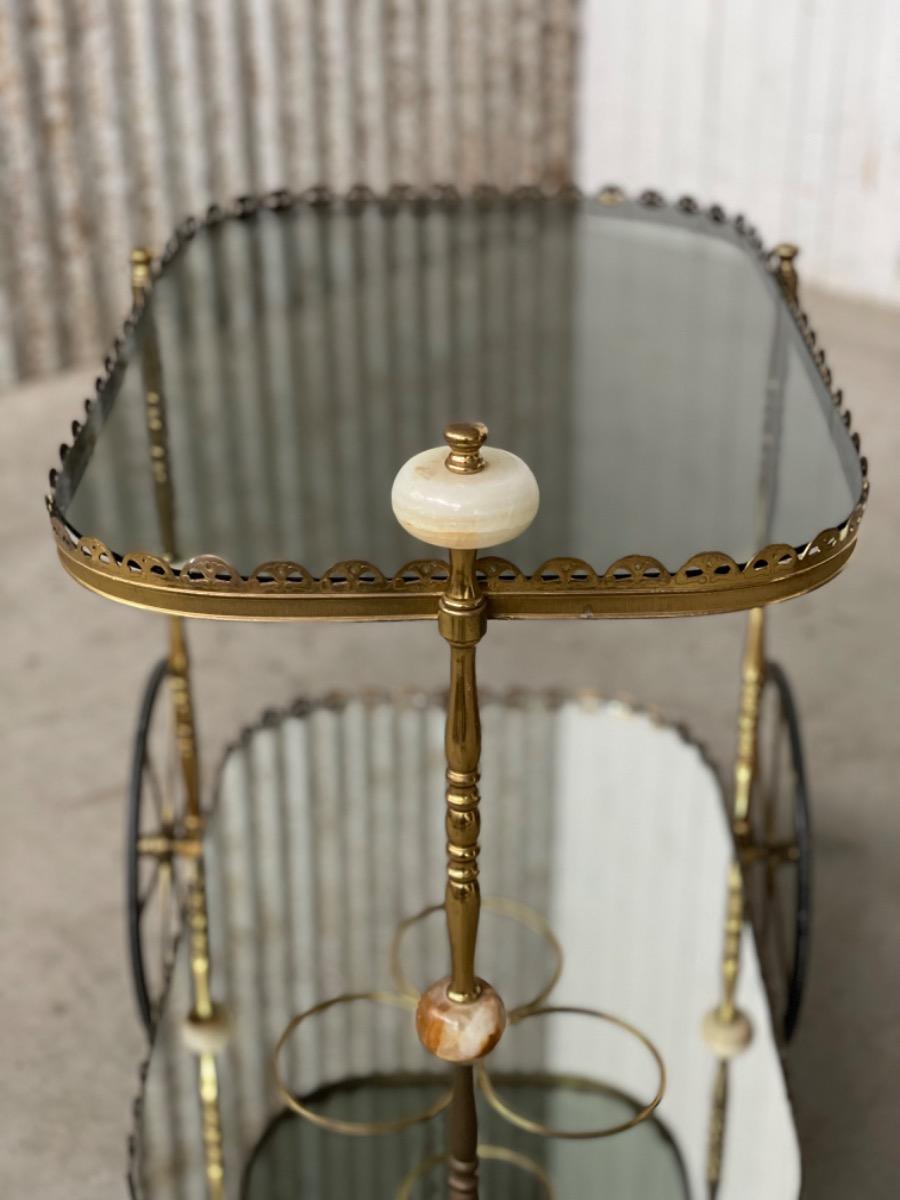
column 636, row 585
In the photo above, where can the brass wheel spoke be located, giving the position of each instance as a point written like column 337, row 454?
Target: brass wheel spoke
column 781, row 955
column 165, row 905
column 179, row 896
column 155, row 788
column 148, row 891
column 171, row 767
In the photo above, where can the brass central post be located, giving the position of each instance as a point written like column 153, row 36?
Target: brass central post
column 444, row 500
column 462, row 623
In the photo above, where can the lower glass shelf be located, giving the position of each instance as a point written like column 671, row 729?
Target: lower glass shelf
column 326, row 841
column 294, row 1158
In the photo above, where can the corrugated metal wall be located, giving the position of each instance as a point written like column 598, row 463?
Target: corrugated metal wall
column 118, row 117
column 786, row 110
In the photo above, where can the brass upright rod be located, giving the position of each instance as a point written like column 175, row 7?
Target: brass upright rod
column 462, row 1179
column 212, row 1126
column 179, row 665
column 461, row 621
column 752, row 679
column 155, row 403
column 185, row 727
column 203, row 1014
column 716, row 1133
column 731, row 950
column 460, row 1018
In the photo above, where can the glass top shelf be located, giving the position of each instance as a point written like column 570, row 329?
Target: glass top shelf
column 293, row 353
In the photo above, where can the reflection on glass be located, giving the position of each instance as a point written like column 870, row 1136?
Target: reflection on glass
column 627, row 354
column 323, row 841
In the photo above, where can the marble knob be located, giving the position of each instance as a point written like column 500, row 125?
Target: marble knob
column 206, row 1035
column 459, row 1032
column 472, row 497
column 727, row 1036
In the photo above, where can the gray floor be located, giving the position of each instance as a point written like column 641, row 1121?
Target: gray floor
column 69, row 1043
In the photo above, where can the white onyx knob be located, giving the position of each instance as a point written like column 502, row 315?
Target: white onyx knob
column 207, row 1035
column 472, row 497
column 727, row 1036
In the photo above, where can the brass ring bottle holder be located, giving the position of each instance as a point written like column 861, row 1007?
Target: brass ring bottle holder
column 464, row 497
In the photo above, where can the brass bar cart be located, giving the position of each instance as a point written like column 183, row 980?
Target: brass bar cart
column 657, row 388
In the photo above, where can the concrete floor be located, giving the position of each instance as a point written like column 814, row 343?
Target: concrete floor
column 69, row 1041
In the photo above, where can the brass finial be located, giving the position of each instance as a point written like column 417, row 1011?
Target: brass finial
column 141, row 258
column 786, row 270
column 465, row 439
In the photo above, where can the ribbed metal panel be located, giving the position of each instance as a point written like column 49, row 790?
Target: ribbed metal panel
column 118, row 117
column 789, row 113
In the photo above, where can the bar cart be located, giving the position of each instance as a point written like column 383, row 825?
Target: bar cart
column 284, row 364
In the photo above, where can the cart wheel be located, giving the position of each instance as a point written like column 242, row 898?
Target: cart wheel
column 780, row 867
column 153, row 887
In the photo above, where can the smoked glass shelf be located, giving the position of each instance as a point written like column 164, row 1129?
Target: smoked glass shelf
column 665, row 440
column 649, row 362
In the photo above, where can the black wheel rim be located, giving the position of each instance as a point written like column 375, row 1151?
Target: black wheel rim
column 780, row 805
column 156, row 885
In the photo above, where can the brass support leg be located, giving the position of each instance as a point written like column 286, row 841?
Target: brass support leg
column 155, row 402
column 206, row 1030
column 726, row 1029
column 461, row 621
column 206, row 1026
column 753, row 674
column 212, row 1126
column 731, row 950
column 717, row 1130
column 462, row 1180
column 185, row 728
column 198, row 925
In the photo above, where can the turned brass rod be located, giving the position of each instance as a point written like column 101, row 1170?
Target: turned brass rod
column 461, row 620
column 716, row 1140
column 731, row 951
column 198, row 928
column 185, row 726
column 462, row 1175
column 157, row 432
column 753, row 674
column 212, row 1126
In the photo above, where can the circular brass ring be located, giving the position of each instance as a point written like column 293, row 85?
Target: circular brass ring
column 335, row 1124
column 488, row 1154
column 531, row 1126
column 512, row 909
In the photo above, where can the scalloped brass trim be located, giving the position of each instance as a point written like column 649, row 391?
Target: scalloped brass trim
column 355, row 590
column 636, row 585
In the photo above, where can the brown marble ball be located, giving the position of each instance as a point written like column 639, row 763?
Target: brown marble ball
column 459, row 1033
